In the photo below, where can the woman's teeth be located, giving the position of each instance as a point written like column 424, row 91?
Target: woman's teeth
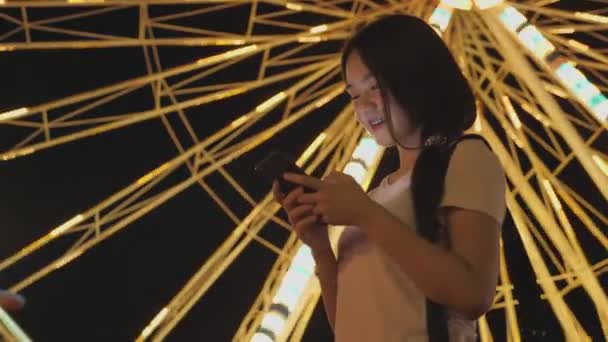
column 376, row 122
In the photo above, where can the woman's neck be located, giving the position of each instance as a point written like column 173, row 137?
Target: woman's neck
column 407, row 157
column 407, row 160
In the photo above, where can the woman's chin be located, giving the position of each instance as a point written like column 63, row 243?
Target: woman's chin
column 384, row 141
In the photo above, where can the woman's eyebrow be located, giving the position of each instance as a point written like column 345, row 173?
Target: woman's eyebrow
column 365, row 78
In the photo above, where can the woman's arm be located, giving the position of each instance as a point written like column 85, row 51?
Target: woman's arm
column 327, row 271
column 463, row 278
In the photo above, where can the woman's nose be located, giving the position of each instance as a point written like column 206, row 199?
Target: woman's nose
column 367, row 101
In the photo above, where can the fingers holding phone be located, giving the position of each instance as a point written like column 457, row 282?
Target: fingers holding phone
column 276, row 192
column 295, row 211
column 307, row 225
column 287, row 202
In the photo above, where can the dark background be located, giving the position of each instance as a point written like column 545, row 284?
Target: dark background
column 113, row 291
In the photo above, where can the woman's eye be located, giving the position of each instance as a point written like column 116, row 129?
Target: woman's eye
column 373, row 87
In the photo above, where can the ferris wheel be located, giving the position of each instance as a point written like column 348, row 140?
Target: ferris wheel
column 539, row 70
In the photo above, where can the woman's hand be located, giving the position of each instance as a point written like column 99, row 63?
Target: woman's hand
column 305, row 223
column 338, row 199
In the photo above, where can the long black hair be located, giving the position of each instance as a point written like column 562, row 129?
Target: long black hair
column 409, row 60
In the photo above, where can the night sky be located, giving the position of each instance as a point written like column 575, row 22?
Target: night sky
column 113, row 291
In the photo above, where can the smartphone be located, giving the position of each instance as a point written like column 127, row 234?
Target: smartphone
column 274, row 166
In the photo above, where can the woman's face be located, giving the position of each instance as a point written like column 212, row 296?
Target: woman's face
column 365, row 94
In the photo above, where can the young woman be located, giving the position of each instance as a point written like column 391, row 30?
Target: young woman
column 419, row 257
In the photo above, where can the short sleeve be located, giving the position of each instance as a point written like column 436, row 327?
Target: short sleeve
column 475, row 180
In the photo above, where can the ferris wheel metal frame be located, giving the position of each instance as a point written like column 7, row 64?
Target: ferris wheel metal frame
column 537, row 100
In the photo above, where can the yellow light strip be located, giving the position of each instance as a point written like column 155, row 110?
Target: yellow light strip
column 152, row 326
column 516, row 140
column 561, row 215
column 238, row 122
column 310, row 39
column 14, row 114
column 66, row 259
column 592, row 17
column 21, row 153
column 578, row 45
column 67, row 225
column 477, row 125
column 242, row 50
column 536, row 115
column 229, row 42
column 319, row 29
column 229, row 54
column 146, row 178
column 322, row 101
column 271, row 102
column 313, row 147
column 561, row 30
column 293, row 6
column 511, row 111
column 555, row 90
column 601, row 163
column 552, row 196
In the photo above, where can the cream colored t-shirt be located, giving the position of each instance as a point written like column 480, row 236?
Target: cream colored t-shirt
column 376, row 302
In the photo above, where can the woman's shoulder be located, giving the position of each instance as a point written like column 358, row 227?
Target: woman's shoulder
column 471, row 141
column 474, row 152
column 475, row 180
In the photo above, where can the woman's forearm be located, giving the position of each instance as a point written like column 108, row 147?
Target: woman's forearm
column 327, row 272
column 441, row 275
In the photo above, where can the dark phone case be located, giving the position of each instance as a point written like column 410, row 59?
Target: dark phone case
column 274, row 166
